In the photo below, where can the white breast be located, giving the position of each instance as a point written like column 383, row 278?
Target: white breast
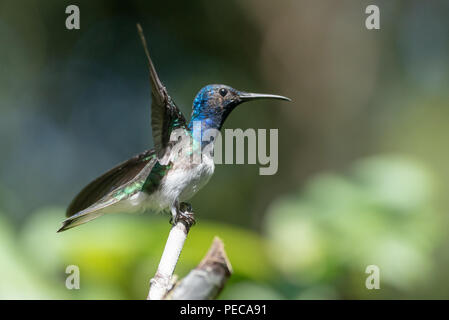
column 181, row 184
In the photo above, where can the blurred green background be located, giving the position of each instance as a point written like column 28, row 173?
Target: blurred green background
column 363, row 175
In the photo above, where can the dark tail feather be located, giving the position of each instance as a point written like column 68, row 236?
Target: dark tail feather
column 78, row 219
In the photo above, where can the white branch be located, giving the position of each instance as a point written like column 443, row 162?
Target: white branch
column 204, row 282
column 162, row 281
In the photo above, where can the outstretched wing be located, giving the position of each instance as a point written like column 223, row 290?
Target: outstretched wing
column 165, row 115
column 109, row 181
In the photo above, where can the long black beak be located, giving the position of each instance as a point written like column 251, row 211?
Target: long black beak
column 247, row 96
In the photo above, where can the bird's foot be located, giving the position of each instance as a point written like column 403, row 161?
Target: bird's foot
column 185, row 213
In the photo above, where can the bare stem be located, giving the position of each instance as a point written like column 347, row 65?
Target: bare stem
column 162, row 281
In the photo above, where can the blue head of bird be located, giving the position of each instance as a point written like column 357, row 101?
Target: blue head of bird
column 214, row 103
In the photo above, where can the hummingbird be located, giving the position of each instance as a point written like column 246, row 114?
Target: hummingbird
column 163, row 177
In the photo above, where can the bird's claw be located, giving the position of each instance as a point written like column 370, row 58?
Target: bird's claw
column 188, row 217
column 185, row 213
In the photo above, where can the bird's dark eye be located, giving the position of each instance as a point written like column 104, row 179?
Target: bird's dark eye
column 223, row 92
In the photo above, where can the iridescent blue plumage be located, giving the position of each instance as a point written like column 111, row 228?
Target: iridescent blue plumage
column 212, row 108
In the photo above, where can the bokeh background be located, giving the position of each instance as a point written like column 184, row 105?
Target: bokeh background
column 363, row 149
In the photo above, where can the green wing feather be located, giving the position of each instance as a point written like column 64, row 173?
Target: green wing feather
column 109, row 181
column 115, row 185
